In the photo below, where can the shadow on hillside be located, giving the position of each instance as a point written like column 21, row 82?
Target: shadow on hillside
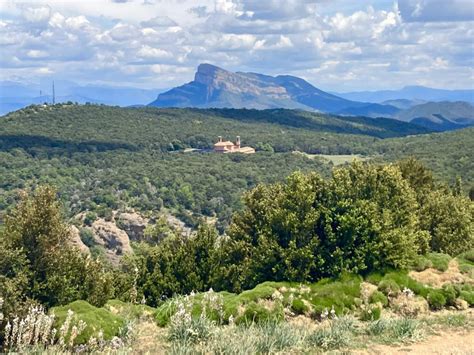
column 35, row 144
column 375, row 127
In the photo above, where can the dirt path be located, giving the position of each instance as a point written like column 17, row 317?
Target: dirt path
column 445, row 343
column 148, row 339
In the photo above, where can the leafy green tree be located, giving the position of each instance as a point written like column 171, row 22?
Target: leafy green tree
column 364, row 218
column 449, row 219
column 56, row 272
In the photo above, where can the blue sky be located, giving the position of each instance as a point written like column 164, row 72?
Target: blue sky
column 338, row 45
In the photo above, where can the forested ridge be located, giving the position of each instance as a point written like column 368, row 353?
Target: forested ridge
column 104, row 158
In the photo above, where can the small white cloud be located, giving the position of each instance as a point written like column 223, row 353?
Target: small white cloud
column 37, row 14
column 34, row 53
column 153, row 53
column 43, row 71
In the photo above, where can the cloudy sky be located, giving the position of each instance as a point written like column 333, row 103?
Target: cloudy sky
column 338, row 45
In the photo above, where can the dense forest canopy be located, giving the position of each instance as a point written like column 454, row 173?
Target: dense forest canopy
column 104, row 158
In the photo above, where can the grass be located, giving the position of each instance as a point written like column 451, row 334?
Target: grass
column 466, row 263
column 267, row 300
column 97, row 319
column 439, row 261
column 128, row 310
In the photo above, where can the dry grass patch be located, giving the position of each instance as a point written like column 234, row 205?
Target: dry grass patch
column 437, row 279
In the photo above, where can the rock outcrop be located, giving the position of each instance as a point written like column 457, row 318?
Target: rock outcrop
column 133, row 224
column 115, row 241
column 77, row 242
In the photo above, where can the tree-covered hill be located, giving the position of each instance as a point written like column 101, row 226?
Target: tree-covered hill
column 104, row 158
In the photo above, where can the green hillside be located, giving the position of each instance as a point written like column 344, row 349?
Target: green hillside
column 104, row 158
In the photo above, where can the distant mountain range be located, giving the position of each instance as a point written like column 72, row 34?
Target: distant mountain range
column 215, row 87
column 411, row 93
column 14, row 96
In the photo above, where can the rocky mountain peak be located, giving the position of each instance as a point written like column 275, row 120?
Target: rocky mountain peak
column 207, row 74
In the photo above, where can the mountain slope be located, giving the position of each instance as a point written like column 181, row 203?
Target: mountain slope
column 219, row 88
column 440, row 115
column 410, row 93
column 14, row 96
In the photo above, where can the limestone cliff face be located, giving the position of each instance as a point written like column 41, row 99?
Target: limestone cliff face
column 77, row 242
column 215, row 78
column 215, row 87
column 133, row 224
column 114, row 240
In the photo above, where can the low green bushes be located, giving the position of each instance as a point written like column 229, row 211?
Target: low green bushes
column 378, row 297
column 467, row 296
column 466, row 263
column 299, row 307
column 389, row 287
column 257, row 313
column 421, row 263
column 98, row 320
column 439, row 261
column 436, row 299
column 371, row 313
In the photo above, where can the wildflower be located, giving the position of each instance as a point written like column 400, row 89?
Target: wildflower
column 408, row 293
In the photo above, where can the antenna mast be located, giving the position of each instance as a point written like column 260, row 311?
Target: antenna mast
column 54, row 95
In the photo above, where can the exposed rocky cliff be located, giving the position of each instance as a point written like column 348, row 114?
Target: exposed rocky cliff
column 215, row 87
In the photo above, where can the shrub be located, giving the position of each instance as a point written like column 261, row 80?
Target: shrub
column 436, row 299
column 90, row 218
column 338, row 335
column 98, row 320
column 449, row 220
column 378, row 327
column 389, row 287
column 468, row 255
column 467, row 296
column 439, row 261
column 421, row 263
column 184, row 328
column 299, row 307
column 450, row 293
column 404, row 329
column 378, row 297
column 370, row 313
column 256, row 313
column 87, row 237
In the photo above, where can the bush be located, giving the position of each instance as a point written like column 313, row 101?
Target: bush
column 436, row 299
column 338, row 335
column 389, row 287
column 421, row 263
column 299, row 307
column 467, row 296
column 404, row 329
column 468, row 255
column 378, row 297
column 450, row 293
column 97, row 319
column 439, row 261
column 370, row 313
column 90, row 218
column 256, row 313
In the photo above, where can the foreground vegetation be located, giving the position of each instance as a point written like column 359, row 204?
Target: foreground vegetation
column 361, row 253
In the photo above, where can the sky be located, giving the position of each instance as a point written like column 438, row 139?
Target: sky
column 337, row 45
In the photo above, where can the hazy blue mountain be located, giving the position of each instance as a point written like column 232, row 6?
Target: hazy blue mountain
column 14, row 96
column 410, row 93
column 403, row 104
column 440, row 116
column 215, row 87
